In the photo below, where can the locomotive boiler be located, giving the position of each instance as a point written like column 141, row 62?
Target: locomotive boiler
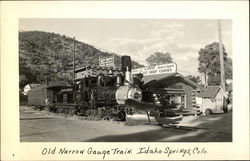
column 102, row 91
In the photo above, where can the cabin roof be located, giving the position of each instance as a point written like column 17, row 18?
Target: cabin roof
column 32, row 85
column 54, row 84
column 209, row 92
column 167, row 79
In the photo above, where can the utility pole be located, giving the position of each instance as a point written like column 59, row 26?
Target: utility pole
column 73, row 58
column 113, row 61
column 222, row 70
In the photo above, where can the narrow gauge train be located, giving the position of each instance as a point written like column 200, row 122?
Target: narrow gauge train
column 101, row 91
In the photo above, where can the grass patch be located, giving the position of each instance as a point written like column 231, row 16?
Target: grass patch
column 133, row 122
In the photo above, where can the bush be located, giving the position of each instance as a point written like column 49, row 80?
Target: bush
column 39, row 107
column 23, row 99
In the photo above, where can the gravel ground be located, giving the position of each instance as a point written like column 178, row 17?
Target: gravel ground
column 42, row 126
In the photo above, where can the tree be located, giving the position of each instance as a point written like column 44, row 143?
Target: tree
column 195, row 79
column 209, row 63
column 47, row 57
column 159, row 58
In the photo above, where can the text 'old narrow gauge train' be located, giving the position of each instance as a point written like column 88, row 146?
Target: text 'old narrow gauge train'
column 97, row 90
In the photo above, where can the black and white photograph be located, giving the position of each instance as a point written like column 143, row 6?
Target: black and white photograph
column 125, row 80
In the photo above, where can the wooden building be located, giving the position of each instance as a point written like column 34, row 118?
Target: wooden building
column 213, row 100
column 28, row 87
column 175, row 87
column 38, row 94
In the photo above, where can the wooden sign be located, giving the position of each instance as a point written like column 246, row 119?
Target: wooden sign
column 158, row 69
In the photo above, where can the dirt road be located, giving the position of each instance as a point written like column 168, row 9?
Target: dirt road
column 41, row 126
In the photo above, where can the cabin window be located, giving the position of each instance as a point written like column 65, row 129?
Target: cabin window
column 64, row 98
column 69, row 98
column 59, row 98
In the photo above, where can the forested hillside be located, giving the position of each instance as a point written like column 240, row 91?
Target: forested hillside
column 47, row 56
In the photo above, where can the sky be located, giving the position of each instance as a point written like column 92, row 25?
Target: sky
column 139, row 38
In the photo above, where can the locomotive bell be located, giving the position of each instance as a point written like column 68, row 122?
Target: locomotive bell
column 118, row 80
column 128, row 77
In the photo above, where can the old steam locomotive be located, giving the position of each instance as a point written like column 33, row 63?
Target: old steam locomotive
column 99, row 90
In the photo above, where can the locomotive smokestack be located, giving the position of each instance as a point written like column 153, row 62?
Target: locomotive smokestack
column 126, row 68
column 126, row 62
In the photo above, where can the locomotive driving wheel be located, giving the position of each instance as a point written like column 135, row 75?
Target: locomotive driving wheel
column 122, row 115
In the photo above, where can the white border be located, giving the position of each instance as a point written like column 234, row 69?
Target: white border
column 12, row 11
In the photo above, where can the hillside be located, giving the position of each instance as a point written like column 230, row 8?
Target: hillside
column 47, row 56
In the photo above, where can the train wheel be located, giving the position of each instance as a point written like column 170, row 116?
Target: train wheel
column 82, row 112
column 95, row 112
column 71, row 112
column 101, row 113
column 122, row 115
column 88, row 112
column 66, row 111
column 208, row 112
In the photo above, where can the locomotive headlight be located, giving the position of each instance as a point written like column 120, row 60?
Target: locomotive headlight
column 137, row 96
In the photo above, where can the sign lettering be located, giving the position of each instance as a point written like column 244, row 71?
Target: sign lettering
column 158, row 69
column 106, row 62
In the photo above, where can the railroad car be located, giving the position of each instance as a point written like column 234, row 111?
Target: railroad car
column 38, row 94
